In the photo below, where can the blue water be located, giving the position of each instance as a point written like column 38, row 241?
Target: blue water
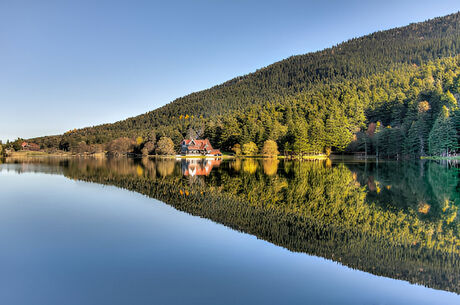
column 69, row 242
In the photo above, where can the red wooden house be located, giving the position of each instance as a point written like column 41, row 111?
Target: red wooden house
column 194, row 147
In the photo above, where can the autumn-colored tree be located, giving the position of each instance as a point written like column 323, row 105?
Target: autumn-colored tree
column 148, row 149
column 237, row 149
column 250, row 149
column 270, row 149
column 120, row 146
column 450, row 100
column 165, row 146
column 82, row 147
column 95, row 148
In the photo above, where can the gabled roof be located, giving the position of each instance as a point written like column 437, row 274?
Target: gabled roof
column 198, row 144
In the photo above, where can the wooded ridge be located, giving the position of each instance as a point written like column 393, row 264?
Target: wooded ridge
column 391, row 93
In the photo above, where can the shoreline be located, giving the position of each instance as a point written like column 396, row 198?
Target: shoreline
column 437, row 158
column 63, row 154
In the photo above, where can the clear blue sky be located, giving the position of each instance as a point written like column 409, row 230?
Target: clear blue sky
column 70, row 64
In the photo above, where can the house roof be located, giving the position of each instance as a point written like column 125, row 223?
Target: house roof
column 198, row 144
column 215, row 152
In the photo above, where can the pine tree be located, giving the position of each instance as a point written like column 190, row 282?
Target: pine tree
column 338, row 134
column 443, row 136
column 301, row 140
column 412, row 143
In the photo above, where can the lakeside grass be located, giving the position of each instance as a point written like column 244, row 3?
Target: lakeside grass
column 44, row 154
column 27, row 154
column 22, row 154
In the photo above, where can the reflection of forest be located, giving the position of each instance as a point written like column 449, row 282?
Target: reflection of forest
column 395, row 219
column 428, row 189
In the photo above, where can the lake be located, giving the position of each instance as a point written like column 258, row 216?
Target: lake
column 244, row 231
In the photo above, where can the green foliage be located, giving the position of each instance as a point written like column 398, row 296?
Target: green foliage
column 15, row 145
column 250, row 149
column 443, row 136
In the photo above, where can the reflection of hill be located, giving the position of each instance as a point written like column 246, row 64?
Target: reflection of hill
column 306, row 207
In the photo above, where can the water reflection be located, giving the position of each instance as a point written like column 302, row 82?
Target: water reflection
column 394, row 219
column 198, row 167
column 270, row 166
column 429, row 189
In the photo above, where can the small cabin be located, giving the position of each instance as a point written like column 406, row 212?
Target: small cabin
column 30, row 146
column 195, row 147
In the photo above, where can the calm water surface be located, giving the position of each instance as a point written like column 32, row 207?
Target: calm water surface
column 126, row 231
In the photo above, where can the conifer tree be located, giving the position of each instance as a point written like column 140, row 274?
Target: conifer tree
column 443, row 136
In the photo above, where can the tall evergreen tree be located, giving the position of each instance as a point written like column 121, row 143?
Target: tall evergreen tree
column 443, row 136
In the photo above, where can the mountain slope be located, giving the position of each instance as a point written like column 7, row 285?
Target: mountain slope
column 415, row 44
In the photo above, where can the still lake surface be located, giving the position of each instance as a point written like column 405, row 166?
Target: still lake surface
column 124, row 231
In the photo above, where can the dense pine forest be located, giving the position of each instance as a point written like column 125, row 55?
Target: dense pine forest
column 392, row 94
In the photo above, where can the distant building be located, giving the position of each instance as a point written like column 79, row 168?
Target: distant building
column 194, row 147
column 30, row 146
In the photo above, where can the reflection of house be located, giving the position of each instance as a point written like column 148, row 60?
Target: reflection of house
column 194, row 147
column 198, row 167
column 30, row 146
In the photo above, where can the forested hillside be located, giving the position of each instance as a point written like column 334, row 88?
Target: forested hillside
column 389, row 93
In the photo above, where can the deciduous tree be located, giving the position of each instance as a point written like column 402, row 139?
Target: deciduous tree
column 165, row 146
